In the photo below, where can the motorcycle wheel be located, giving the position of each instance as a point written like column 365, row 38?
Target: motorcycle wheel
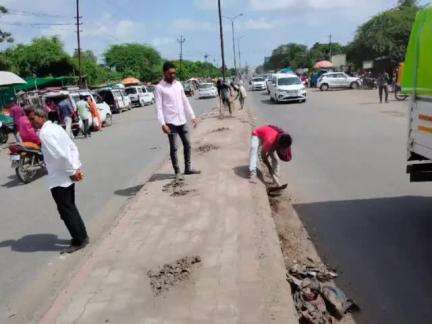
column 3, row 136
column 25, row 176
column 399, row 96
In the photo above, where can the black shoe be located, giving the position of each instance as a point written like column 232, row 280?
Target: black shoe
column 75, row 247
column 191, row 171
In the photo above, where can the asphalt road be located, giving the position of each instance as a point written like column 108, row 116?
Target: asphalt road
column 117, row 161
column 350, row 190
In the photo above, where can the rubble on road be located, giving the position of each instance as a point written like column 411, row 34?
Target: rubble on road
column 176, row 188
column 315, row 302
column 220, row 129
column 170, row 274
column 205, row 148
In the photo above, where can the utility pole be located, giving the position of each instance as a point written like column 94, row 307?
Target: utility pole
column 221, row 39
column 232, row 19
column 239, row 52
column 78, row 25
column 330, row 47
column 181, row 40
column 206, row 56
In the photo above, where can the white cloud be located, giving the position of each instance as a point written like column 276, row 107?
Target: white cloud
column 314, row 4
column 185, row 24
column 212, row 4
column 258, row 24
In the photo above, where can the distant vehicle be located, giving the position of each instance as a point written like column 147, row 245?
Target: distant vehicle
column 6, row 127
column 337, row 80
column 126, row 99
column 114, row 98
column 258, row 84
column 149, row 97
column 188, row 89
column 207, row 90
column 139, row 96
column 417, row 76
column 287, row 87
column 104, row 110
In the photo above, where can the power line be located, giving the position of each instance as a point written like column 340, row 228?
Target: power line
column 35, row 14
column 36, row 24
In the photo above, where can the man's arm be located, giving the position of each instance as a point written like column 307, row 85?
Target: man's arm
column 265, row 158
column 158, row 101
column 187, row 106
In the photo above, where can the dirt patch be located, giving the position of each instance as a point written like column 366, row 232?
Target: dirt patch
column 220, row 129
column 393, row 113
column 177, row 188
column 182, row 192
column 171, row 274
column 205, row 148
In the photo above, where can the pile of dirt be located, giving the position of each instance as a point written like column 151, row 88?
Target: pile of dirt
column 205, row 148
column 220, row 129
column 176, row 188
column 171, row 274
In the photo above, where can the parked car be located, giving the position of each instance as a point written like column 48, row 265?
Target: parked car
column 136, row 95
column 188, row 89
column 207, row 90
column 337, row 80
column 258, row 84
column 104, row 110
column 287, row 87
column 126, row 99
column 115, row 99
column 149, row 97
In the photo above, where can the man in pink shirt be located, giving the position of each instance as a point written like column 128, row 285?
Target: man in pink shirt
column 26, row 130
column 173, row 108
column 273, row 140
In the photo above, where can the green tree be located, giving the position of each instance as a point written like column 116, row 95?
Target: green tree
column 137, row 60
column 386, row 34
column 44, row 56
column 5, row 36
column 321, row 51
column 197, row 69
column 288, row 55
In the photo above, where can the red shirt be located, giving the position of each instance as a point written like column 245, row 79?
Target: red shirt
column 26, row 131
column 268, row 137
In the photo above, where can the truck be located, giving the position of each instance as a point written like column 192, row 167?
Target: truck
column 417, row 83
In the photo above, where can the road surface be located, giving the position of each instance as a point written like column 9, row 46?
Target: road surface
column 352, row 194
column 117, row 161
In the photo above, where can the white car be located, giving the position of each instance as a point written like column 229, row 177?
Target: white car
column 103, row 107
column 258, row 84
column 337, row 80
column 287, row 87
column 149, row 97
column 207, row 90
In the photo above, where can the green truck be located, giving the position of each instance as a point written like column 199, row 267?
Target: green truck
column 417, row 83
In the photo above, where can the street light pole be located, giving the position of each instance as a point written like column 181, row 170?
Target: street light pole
column 232, row 19
column 181, row 40
column 239, row 51
column 221, row 39
column 78, row 24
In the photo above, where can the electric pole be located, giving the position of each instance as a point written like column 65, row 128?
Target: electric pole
column 330, row 47
column 221, row 39
column 232, row 19
column 181, row 40
column 78, row 25
column 239, row 52
column 206, row 56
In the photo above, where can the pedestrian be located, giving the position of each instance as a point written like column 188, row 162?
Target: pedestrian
column 65, row 112
column 173, row 108
column 224, row 92
column 383, row 84
column 274, row 141
column 241, row 93
column 97, row 123
column 85, row 115
column 62, row 162
column 16, row 112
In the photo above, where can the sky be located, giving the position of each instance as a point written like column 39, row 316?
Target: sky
column 265, row 24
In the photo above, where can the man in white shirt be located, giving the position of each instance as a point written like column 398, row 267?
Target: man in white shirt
column 61, row 159
column 173, row 108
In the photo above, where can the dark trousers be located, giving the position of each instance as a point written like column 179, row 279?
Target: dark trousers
column 65, row 200
column 181, row 131
column 86, row 123
column 381, row 89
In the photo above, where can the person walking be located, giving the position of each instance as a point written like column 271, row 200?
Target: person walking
column 274, row 141
column 62, row 162
column 84, row 113
column 383, row 84
column 224, row 92
column 173, row 108
column 65, row 112
column 241, row 93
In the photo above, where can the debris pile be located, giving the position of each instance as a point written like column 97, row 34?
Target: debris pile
column 170, row 274
column 220, row 129
column 205, row 148
column 317, row 303
column 176, row 188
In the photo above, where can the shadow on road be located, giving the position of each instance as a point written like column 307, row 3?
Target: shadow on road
column 243, row 172
column 161, row 177
column 36, row 243
column 129, row 192
column 15, row 182
column 382, row 248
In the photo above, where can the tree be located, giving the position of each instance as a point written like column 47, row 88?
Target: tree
column 386, row 34
column 86, row 55
column 321, row 51
column 44, row 56
column 137, row 60
column 5, row 36
column 190, row 69
column 288, row 55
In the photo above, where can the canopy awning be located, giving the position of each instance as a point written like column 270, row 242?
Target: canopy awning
column 9, row 78
column 131, row 81
column 323, row 65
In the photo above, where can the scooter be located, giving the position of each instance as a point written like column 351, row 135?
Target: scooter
column 26, row 161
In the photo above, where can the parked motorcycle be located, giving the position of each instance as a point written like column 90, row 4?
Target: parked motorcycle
column 26, row 161
column 6, row 127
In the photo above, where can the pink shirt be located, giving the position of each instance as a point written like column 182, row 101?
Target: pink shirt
column 26, row 131
column 268, row 137
column 16, row 111
column 172, row 104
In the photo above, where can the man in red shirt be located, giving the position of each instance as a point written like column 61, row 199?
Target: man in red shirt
column 273, row 140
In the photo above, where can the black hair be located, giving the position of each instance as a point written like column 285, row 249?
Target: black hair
column 284, row 141
column 82, row 97
column 168, row 65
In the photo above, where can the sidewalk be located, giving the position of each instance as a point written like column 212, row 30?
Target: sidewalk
column 217, row 217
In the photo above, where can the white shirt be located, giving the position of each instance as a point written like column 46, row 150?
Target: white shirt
column 172, row 104
column 60, row 154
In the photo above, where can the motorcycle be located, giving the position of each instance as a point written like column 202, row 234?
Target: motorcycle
column 26, row 161
column 398, row 93
column 6, row 127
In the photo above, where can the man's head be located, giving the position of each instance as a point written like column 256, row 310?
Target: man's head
column 169, row 71
column 28, row 110
column 284, row 147
column 37, row 118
